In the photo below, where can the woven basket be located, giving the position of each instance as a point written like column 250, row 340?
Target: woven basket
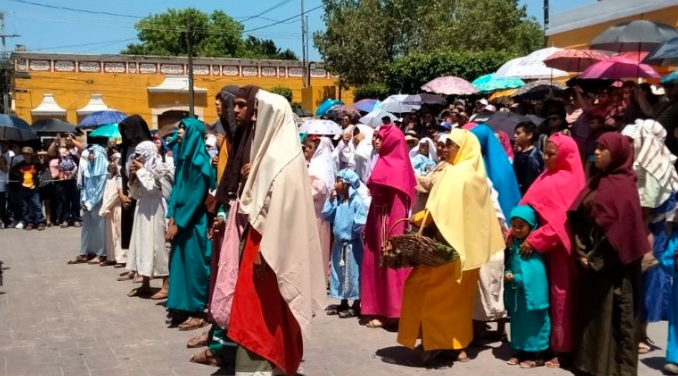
column 413, row 248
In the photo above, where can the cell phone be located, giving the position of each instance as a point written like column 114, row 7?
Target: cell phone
column 136, row 156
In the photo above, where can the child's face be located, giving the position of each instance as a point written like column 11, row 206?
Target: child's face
column 522, row 138
column 339, row 185
column 520, row 228
column 112, row 167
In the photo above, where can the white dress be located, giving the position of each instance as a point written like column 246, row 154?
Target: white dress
column 147, row 253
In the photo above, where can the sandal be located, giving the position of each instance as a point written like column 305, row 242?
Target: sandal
column 207, row 358
column 553, row 363
column 126, row 276
column 532, row 363
column 119, row 265
column 199, row 341
column 375, row 324
column 513, row 361
column 81, row 259
column 107, row 263
column 644, row 348
column 348, row 313
column 139, row 292
column 334, row 310
column 192, row 323
column 96, row 261
column 160, row 295
column 463, row 357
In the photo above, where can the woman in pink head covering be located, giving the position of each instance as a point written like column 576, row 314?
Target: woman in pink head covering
column 505, row 141
column 392, row 187
column 551, row 196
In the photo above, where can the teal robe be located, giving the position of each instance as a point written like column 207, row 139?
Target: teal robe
column 527, row 297
column 189, row 263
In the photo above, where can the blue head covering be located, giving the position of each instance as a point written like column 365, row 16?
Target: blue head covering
column 526, row 213
column 350, row 177
column 94, row 177
column 498, row 167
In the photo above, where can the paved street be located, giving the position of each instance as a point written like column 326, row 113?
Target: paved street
column 61, row 320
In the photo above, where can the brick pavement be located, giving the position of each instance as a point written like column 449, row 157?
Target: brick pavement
column 74, row 320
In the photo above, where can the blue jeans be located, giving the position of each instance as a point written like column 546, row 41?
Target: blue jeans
column 32, row 208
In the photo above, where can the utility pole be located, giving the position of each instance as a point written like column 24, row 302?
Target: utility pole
column 303, row 46
column 189, row 42
column 5, row 65
column 547, row 21
column 306, row 51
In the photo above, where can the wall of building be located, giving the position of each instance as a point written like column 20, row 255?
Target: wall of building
column 123, row 82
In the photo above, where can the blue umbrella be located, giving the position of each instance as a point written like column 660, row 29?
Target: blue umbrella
column 98, row 118
column 490, row 82
column 13, row 128
column 326, row 105
column 365, row 105
column 671, row 77
column 664, row 54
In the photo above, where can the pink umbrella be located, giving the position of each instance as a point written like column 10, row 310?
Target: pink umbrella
column 450, row 86
column 574, row 60
column 618, row 67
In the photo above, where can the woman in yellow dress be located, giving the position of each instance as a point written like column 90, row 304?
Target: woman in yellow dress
column 438, row 301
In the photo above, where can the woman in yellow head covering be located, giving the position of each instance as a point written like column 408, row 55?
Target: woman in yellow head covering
column 438, row 301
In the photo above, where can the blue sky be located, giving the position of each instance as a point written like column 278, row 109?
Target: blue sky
column 56, row 30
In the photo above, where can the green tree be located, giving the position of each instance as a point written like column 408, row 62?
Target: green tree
column 363, row 37
column 283, row 91
column 212, row 35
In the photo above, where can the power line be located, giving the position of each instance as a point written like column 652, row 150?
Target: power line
column 285, row 20
column 76, row 10
column 83, row 44
column 274, row 7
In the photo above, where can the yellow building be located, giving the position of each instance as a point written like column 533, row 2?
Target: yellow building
column 578, row 27
column 71, row 86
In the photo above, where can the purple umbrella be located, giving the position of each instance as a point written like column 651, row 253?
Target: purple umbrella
column 98, row 118
column 365, row 105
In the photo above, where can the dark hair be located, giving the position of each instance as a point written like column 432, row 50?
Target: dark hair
column 386, row 120
column 528, row 127
column 600, row 118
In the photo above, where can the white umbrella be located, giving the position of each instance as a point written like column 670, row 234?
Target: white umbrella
column 373, row 119
column 394, row 103
column 531, row 67
column 320, row 127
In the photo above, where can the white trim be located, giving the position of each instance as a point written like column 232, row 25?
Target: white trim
column 175, row 84
column 603, row 11
column 96, row 103
column 157, row 111
column 48, row 107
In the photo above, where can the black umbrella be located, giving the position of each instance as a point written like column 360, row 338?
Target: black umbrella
column 664, row 54
column 52, row 126
column 538, row 89
column 590, row 85
column 13, row 128
column 501, row 120
column 634, row 36
column 424, row 98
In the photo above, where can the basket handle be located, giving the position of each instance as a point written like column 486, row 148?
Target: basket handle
column 421, row 229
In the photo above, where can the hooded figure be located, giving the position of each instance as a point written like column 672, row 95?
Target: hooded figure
column 224, row 128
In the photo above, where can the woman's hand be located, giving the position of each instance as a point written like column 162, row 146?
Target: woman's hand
column 136, row 166
column 526, row 249
column 172, row 230
column 215, row 160
column 245, row 171
column 217, row 226
column 126, row 201
column 509, row 277
column 584, row 262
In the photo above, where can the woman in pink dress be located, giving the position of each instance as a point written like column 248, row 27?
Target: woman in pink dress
column 391, row 185
column 551, row 196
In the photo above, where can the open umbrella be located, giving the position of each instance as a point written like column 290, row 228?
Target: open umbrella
column 640, row 35
column 574, row 60
column 107, row 131
column 52, row 126
column 618, row 67
column 338, row 111
column 13, row 128
column 365, row 105
column 449, row 85
column 502, row 93
column 373, row 119
column 501, row 120
column 395, row 104
column 425, row 98
column 590, row 85
column 532, row 67
column 491, row 82
column 664, row 54
column 671, row 77
column 320, row 127
column 326, row 105
column 98, row 118
column 538, row 89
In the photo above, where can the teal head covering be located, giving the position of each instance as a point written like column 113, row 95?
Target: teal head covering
column 526, row 213
column 191, row 150
column 350, row 177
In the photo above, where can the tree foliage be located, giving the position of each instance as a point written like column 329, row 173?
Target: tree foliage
column 363, row 37
column 283, row 91
column 372, row 91
column 212, row 35
column 409, row 73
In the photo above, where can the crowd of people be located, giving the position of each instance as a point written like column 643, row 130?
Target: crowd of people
column 560, row 229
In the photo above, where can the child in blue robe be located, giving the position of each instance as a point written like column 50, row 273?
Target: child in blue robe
column 347, row 213
column 526, row 294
